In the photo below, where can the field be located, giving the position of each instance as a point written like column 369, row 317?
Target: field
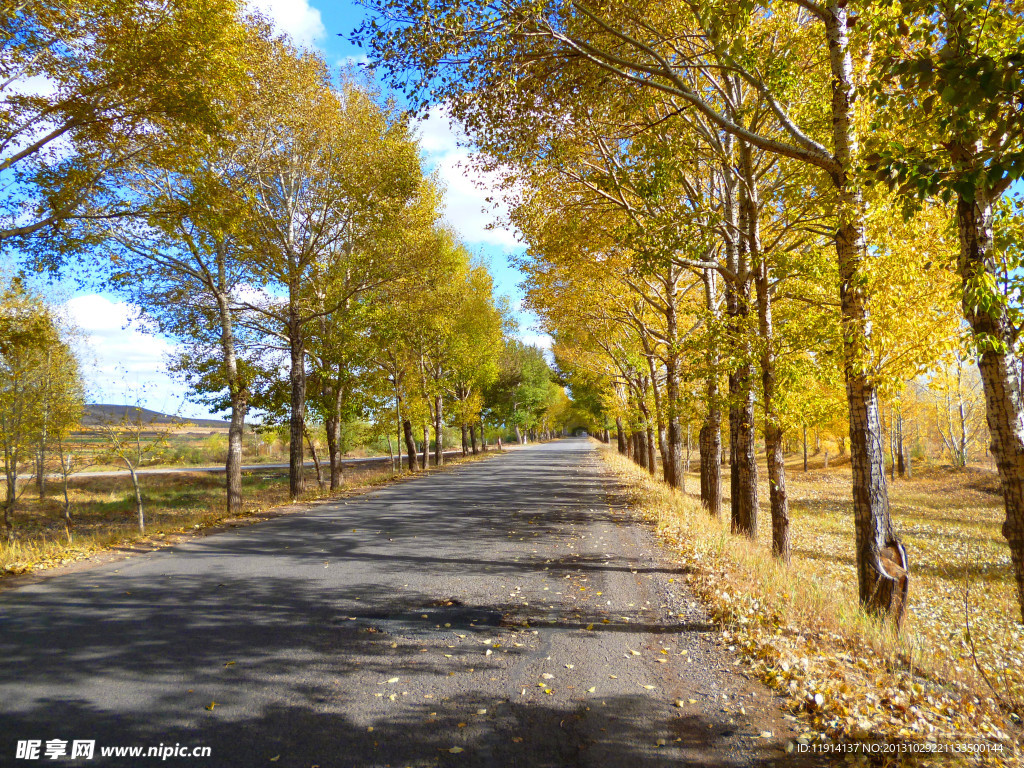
column 843, row 675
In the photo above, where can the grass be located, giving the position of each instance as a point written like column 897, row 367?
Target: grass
column 104, row 517
column 846, row 676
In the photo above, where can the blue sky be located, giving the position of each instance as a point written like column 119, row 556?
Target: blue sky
column 124, row 364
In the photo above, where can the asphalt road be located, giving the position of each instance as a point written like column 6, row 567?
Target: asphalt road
column 504, row 613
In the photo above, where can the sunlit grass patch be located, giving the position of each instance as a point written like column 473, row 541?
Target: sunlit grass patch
column 844, row 674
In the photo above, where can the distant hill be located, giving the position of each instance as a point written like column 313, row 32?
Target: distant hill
column 100, row 413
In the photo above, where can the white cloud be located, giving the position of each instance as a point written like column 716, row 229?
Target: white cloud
column 122, row 364
column 466, row 188
column 300, row 20
column 541, row 340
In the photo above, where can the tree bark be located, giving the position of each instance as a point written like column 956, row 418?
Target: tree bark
column 438, row 434
column 239, row 395
column 744, row 490
column 465, row 439
column 316, row 460
column 620, row 436
column 472, row 438
column 410, row 444
column 882, row 566
column 297, row 425
column 425, row 459
column 333, row 430
column 773, row 436
column 652, row 457
column 993, row 333
column 138, row 497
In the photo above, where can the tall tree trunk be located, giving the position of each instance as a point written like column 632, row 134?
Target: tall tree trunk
column 297, row 377
column 472, row 438
column 316, row 460
column 233, row 468
column 882, row 566
column 773, row 436
column 659, row 410
column 993, row 333
column 666, row 463
column 10, row 489
column 620, row 436
column 744, row 492
column 410, row 444
column 673, row 407
column 239, row 395
column 332, row 427
column 710, row 436
column 901, row 465
column 138, row 497
column 640, row 448
column 425, row 459
column 652, row 457
column 438, row 431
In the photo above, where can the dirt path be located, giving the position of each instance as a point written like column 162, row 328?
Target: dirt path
column 499, row 614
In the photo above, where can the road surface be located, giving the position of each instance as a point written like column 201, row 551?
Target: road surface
column 504, row 613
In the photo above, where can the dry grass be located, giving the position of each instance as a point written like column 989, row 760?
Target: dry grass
column 104, row 516
column 846, row 676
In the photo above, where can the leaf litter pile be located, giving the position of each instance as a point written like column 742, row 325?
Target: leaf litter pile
column 844, row 676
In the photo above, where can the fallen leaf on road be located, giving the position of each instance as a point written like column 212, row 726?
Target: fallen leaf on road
column 275, row 758
column 455, row 750
column 393, row 680
column 633, row 653
column 591, row 690
column 228, row 664
column 766, row 734
column 481, row 711
column 569, row 666
column 211, row 705
column 649, row 687
column 517, row 739
column 548, row 676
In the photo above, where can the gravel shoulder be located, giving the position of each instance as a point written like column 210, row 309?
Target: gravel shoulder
column 503, row 613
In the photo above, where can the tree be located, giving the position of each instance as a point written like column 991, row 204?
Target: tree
column 331, row 170
column 40, row 385
column 90, row 90
column 134, row 439
column 960, row 84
